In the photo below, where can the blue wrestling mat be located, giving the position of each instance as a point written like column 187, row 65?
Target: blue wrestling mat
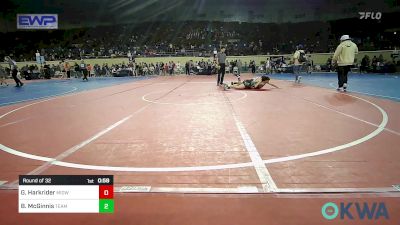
column 50, row 88
column 377, row 85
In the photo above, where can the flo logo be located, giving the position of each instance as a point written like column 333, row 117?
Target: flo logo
column 351, row 211
column 370, row 15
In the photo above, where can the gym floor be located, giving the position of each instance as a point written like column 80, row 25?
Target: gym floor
column 299, row 144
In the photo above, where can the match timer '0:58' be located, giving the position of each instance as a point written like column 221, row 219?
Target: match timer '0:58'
column 104, row 180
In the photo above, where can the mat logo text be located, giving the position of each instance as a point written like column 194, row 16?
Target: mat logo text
column 370, row 15
column 351, row 210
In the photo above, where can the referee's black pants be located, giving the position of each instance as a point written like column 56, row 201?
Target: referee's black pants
column 17, row 81
column 221, row 73
column 342, row 75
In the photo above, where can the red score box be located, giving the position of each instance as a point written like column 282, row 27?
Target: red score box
column 106, row 191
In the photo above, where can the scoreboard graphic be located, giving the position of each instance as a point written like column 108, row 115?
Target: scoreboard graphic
column 66, row 194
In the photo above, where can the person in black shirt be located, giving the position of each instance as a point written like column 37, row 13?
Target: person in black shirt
column 187, row 68
column 14, row 73
column 253, row 67
column 374, row 64
column 221, row 58
column 364, row 64
column 46, row 70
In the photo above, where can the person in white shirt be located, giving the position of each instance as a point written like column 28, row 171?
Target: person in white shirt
column 129, row 56
column 299, row 59
column 268, row 66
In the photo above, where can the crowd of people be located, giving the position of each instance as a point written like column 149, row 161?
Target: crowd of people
column 68, row 69
column 186, row 39
column 375, row 65
column 80, row 69
column 211, row 66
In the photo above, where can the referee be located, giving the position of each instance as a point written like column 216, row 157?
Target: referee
column 344, row 58
column 221, row 57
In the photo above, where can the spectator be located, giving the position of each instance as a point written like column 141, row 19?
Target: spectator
column 84, row 70
column 89, row 70
column 310, row 64
column 298, row 60
column 77, row 70
column 3, row 76
column 268, row 66
column 46, row 71
column 252, row 65
column 329, row 63
column 374, row 64
column 239, row 66
column 364, row 64
column 187, row 68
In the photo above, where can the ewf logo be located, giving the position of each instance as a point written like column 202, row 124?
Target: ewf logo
column 37, row 21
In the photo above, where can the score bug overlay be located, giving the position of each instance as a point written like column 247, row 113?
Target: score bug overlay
column 66, row 194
